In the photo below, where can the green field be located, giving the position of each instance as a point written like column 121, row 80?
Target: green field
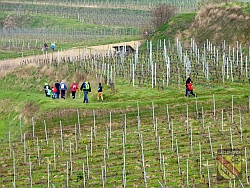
column 146, row 133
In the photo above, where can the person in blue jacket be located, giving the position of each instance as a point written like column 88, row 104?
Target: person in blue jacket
column 63, row 88
column 53, row 47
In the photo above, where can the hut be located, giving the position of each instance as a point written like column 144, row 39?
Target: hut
column 121, row 49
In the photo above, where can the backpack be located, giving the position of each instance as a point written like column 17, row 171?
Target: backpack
column 54, row 89
column 86, row 85
column 74, row 86
column 190, row 86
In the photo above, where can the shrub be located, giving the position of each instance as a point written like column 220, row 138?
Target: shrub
column 161, row 14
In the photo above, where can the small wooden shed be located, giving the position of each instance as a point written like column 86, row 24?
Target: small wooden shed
column 120, row 49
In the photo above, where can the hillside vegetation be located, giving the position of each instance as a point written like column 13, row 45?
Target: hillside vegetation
column 26, row 27
column 62, row 136
column 215, row 22
column 229, row 22
column 146, row 133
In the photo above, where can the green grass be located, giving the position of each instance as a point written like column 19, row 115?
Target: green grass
column 26, row 95
column 49, row 21
column 133, row 164
column 124, row 101
column 17, row 53
column 216, row 30
column 168, row 31
column 25, row 99
column 54, row 23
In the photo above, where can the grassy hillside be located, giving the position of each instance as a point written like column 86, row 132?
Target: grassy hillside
column 25, row 96
column 215, row 23
column 12, row 20
column 25, row 31
column 26, row 34
column 69, row 143
column 173, row 29
column 229, row 22
column 146, row 133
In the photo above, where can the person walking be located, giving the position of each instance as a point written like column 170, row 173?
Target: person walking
column 53, row 47
column 45, row 46
column 86, row 89
column 190, row 89
column 46, row 89
column 99, row 95
column 57, row 85
column 187, row 82
column 49, row 92
column 63, row 88
column 73, row 89
column 54, row 91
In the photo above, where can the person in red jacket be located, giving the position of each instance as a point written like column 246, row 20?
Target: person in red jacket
column 73, row 89
column 187, row 82
column 54, row 91
column 190, row 89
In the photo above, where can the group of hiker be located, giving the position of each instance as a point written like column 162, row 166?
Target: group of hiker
column 56, row 90
column 61, row 88
column 52, row 46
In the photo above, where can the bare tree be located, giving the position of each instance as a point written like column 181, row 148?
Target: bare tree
column 161, row 14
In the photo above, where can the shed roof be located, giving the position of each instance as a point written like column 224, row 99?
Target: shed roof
column 128, row 48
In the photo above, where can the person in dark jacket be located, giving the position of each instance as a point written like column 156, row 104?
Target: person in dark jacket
column 45, row 46
column 99, row 95
column 57, row 85
column 86, row 89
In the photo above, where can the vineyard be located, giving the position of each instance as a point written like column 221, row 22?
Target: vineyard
column 146, row 133
column 148, row 147
column 151, row 144
column 26, row 26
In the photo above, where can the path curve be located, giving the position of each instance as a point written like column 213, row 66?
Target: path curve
column 7, row 64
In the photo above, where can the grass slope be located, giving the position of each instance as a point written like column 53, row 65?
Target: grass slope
column 86, row 141
column 29, row 21
column 178, row 24
column 63, row 29
column 71, row 145
column 216, row 23
column 25, row 98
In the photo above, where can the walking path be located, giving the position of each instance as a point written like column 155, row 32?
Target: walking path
column 7, row 64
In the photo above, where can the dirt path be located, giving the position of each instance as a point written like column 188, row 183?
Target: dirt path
column 6, row 64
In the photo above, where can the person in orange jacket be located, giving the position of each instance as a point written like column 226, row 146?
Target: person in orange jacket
column 73, row 89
